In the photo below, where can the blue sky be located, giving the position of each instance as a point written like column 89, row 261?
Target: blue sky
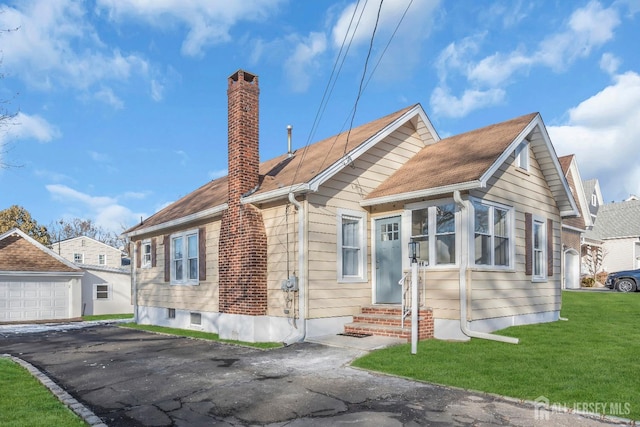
column 122, row 104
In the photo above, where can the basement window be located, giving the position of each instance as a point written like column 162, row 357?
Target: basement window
column 171, row 313
column 196, row 319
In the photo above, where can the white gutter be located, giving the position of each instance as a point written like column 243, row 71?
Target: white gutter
column 205, row 214
column 134, row 282
column 42, row 273
column 302, row 306
column 469, row 185
column 464, row 267
column 275, row 194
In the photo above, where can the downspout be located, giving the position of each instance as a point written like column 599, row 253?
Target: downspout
column 302, row 306
column 464, row 268
column 134, row 283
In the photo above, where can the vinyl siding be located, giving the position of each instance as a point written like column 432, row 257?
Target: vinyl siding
column 91, row 249
column 326, row 296
column 155, row 292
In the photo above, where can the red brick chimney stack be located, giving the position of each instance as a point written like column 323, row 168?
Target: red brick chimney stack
column 244, row 133
column 243, row 241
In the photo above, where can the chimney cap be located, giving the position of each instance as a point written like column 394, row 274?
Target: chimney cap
column 242, row 75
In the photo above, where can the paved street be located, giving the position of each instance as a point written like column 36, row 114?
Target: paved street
column 133, row 378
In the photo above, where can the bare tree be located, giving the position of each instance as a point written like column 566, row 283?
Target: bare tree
column 6, row 116
column 593, row 259
column 76, row 227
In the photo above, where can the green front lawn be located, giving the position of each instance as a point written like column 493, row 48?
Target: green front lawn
column 200, row 335
column 589, row 361
column 108, row 317
column 24, row 401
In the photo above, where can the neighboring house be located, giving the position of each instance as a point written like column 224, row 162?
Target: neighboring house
column 85, row 250
column 573, row 229
column 593, row 195
column 297, row 246
column 36, row 284
column 618, row 227
column 106, row 286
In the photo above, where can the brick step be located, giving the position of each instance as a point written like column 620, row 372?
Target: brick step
column 391, row 310
column 383, row 319
column 378, row 330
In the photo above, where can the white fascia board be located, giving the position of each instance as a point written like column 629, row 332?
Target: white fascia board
column 470, row 185
column 275, row 194
column 582, row 198
column 205, row 214
column 43, row 273
column 344, row 161
column 507, row 152
column 568, row 227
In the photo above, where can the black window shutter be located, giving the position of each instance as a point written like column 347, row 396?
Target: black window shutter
column 154, row 258
column 167, row 258
column 549, row 247
column 528, row 246
column 202, row 254
column 138, row 254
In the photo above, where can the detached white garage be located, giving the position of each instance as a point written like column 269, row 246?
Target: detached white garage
column 35, row 283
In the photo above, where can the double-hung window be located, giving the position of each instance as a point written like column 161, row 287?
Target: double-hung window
column 352, row 249
column 184, row 257
column 78, row 258
column 146, row 254
column 539, row 241
column 434, row 227
column 522, row 155
column 102, row 291
column 102, row 259
column 493, row 242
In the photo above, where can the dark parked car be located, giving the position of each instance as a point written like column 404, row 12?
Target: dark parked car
column 624, row 281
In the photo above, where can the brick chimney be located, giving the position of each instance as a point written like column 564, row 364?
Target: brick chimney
column 243, row 242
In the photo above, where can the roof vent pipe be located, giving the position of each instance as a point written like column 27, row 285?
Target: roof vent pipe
column 289, row 153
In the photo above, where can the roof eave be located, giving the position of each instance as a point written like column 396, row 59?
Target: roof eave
column 470, row 185
column 205, row 214
column 276, row 194
column 43, row 273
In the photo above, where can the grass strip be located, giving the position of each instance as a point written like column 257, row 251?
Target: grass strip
column 200, row 335
column 587, row 363
column 108, row 317
column 25, row 402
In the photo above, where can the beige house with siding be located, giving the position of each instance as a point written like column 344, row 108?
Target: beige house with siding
column 302, row 245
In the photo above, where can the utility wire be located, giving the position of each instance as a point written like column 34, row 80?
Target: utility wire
column 364, row 73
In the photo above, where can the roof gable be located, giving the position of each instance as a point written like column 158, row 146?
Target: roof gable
column 306, row 170
column 90, row 239
column 21, row 253
column 469, row 160
column 571, row 172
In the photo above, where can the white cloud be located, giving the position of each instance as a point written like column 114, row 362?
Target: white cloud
column 609, row 63
column 106, row 211
column 157, row 90
column 107, row 96
column 301, row 64
column 208, row 22
column 25, row 126
column 603, row 132
column 587, row 29
column 56, row 46
column 218, row 173
column 446, row 104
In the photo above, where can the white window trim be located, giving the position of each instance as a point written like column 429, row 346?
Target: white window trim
column 145, row 263
column 95, row 291
column 362, row 218
column 543, row 224
column 185, row 260
column 472, row 231
column 407, row 228
column 81, row 257
column 104, row 256
column 523, row 160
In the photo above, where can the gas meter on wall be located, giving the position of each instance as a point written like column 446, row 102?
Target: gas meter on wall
column 290, row 284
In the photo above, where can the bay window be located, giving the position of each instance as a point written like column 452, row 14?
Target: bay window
column 434, row 227
column 492, row 237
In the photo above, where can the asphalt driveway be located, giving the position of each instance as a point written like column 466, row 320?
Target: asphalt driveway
column 134, row 378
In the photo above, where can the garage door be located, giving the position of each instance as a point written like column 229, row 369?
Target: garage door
column 33, row 301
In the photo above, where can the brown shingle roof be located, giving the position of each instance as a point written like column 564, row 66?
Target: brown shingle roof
column 18, row 254
column 276, row 173
column 454, row 160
